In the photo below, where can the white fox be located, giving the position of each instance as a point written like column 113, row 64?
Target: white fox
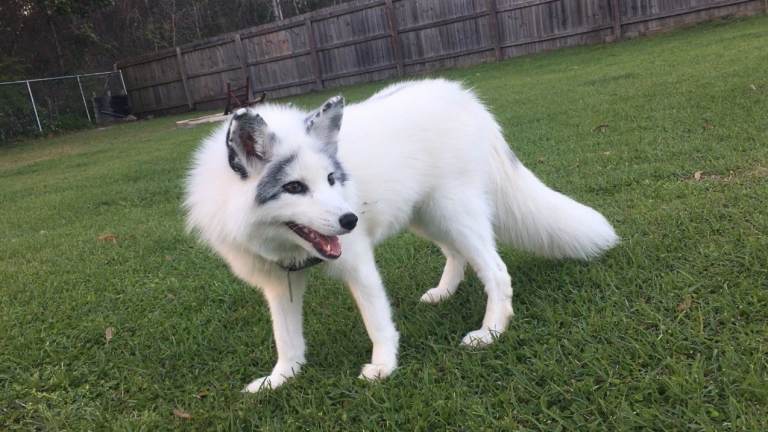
column 277, row 189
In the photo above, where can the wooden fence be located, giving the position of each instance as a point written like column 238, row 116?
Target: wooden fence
column 369, row 40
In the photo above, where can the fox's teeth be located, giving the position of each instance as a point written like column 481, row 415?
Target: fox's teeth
column 326, row 245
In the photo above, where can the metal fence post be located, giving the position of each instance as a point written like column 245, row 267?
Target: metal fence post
column 82, row 95
column 32, row 98
column 125, row 90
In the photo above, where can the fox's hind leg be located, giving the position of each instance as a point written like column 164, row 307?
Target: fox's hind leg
column 453, row 274
column 468, row 230
column 498, row 287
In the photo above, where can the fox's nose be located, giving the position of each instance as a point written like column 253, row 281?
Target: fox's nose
column 348, row 221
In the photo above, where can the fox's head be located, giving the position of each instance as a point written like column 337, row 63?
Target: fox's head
column 286, row 181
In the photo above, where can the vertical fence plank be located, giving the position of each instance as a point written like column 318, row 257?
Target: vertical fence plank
column 183, row 73
column 493, row 20
column 241, row 54
column 313, row 52
column 394, row 36
column 616, row 19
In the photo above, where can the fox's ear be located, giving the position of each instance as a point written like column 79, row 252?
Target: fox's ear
column 325, row 122
column 249, row 142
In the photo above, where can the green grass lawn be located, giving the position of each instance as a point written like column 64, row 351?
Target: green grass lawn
column 669, row 331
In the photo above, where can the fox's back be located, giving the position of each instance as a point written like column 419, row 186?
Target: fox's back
column 409, row 141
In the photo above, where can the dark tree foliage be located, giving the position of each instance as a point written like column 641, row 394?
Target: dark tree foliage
column 53, row 37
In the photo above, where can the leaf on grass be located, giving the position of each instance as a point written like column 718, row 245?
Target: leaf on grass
column 685, row 304
column 109, row 333
column 180, row 413
column 202, row 394
column 108, row 237
column 697, row 175
column 708, row 125
column 602, row 128
column 753, row 87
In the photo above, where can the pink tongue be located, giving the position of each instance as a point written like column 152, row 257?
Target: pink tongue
column 329, row 246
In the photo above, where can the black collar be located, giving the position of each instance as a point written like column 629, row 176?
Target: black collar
column 302, row 265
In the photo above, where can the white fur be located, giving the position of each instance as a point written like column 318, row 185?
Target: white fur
column 424, row 155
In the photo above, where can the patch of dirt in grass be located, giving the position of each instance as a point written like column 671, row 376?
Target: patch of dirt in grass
column 752, row 173
column 107, row 237
column 758, row 172
column 30, row 157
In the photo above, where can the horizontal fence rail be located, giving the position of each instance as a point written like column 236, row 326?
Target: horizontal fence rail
column 369, row 40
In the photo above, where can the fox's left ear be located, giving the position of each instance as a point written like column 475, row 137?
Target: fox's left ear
column 325, row 122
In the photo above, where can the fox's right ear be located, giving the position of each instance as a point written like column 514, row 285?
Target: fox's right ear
column 249, row 143
column 325, row 123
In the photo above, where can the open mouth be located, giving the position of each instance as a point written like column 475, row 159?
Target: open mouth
column 327, row 246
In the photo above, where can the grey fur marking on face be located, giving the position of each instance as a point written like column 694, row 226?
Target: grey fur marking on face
column 338, row 170
column 271, row 184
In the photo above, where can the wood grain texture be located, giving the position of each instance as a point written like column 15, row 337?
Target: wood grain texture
column 369, row 40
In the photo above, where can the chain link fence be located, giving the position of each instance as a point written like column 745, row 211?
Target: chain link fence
column 39, row 106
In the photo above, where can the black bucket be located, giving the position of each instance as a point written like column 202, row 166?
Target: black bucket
column 111, row 108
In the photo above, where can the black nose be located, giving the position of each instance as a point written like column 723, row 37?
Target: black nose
column 348, row 221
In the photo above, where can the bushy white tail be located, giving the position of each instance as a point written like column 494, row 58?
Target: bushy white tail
column 532, row 217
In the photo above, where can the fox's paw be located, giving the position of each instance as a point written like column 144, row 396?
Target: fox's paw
column 278, row 377
column 268, row 382
column 375, row 371
column 479, row 338
column 436, row 295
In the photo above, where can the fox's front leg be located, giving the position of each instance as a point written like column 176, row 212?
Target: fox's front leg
column 361, row 275
column 285, row 305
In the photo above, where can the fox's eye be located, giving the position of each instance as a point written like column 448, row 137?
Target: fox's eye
column 295, row 187
column 331, row 179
